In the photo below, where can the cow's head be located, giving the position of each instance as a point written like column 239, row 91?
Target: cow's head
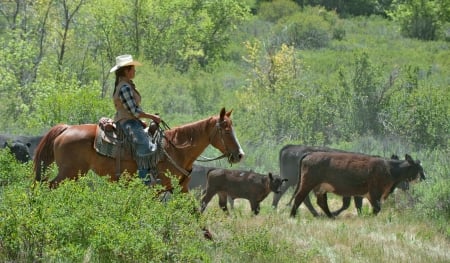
column 403, row 185
column 20, row 150
column 416, row 168
column 276, row 182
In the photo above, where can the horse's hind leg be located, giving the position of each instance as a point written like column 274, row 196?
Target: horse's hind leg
column 55, row 181
column 63, row 175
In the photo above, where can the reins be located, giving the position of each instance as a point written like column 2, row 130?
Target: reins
column 204, row 159
column 165, row 126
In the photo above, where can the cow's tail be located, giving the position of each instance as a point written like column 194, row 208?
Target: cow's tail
column 44, row 154
column 299, row 176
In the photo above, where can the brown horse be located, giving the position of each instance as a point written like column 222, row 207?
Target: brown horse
column 72, row 148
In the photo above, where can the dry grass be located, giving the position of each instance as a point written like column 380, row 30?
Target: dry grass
column 395, row 235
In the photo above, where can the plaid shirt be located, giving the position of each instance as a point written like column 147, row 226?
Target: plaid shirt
column 128, row 101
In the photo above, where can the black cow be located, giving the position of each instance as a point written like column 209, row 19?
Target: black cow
column 20, row 150
column 351, row 174
column 240, row 184
column 31, row 141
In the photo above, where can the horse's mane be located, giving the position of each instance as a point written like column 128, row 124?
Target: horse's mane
column 183, row 134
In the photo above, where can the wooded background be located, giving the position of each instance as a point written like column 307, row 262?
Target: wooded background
column 306, row 72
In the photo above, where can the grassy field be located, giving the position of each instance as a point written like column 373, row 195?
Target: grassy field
column 395, row 235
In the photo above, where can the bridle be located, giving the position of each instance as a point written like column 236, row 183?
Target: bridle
column 218, row 130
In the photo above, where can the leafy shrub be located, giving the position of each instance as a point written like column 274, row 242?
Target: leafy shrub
column 65, row 100
column 304, row 30
column 420, row 19
column 105, row 222
column 9, row 163
column 274, row 10
column 433, row 194
column 418, row 110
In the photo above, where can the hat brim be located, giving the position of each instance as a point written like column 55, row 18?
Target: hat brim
column 132, row 63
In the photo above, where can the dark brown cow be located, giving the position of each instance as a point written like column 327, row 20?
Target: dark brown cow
column 350, row 174
column 289, row 160
column 198, row 180
column 403, row 185
column 239, row 184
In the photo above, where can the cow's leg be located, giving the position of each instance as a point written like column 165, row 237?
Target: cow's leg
column 255, row 206
column 299, row 198
column 345, row 205
column 322, row 202
column 277, row 196
column 358, row 204
column 205, row 200
column 231, row 202
column 375, row 201
column 310, row 207
column 223, row 201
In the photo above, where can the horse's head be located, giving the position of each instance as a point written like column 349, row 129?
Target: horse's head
column 224, row 139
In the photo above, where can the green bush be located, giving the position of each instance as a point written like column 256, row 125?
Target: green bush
column 305, row 30
column 65, row 100
column 105, row 222
column 421, row 19
column 274, row 10
column 9, row 163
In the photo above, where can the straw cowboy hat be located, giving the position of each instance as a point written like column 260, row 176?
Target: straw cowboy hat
column 125, row 60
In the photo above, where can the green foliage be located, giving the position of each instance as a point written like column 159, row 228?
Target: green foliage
column 310, row 29
column 93, row 218
column 9, row 163
column 65, row 100
column 353, row 7
column 434, row 197
column 419, row 111
column 273, row 11
column 421, row 19
column 17, row 74
column 369, row 93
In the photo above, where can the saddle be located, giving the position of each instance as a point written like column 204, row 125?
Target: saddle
column 110, row 141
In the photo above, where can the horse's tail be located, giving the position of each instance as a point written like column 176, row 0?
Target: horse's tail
column 44, row 154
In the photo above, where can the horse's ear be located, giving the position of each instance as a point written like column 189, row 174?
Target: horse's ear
column 229, row 113
column 222, row 114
